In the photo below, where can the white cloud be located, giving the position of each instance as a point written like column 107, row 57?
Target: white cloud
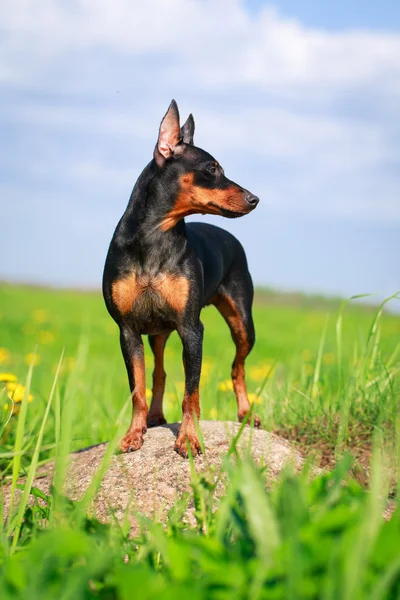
column 217, row 42
column 262, row 87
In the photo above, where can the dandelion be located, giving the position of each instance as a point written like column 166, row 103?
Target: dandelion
column 206, row 370
column 6, row 377
column 40, row 315
column 260, row 372
column 32, row 359
column 5, row 356
column 46, row 337
column 213, row 413
column 225, row 386
column 307, row 355
column 148, row 393
column 254, row 398
column 329, row 358
column 16, row 392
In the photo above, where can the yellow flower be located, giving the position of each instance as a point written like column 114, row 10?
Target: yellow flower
column 206, row 370
column 254, row 398
column 46, row 337
column 40, row 315
column 329, row 358
column 16, row 391
column 260, row 372
column 148, row 393
column 207, row 366
column 32, row 358
column 307, row 355
column 225, row 386
column 7, row 377
column 213, row 413
column 5, row 356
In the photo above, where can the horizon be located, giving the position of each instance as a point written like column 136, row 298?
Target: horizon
column 299, row 103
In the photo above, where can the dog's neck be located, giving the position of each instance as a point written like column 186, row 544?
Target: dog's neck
column 139, row 229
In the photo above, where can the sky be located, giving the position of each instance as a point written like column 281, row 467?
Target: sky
column 298, row 100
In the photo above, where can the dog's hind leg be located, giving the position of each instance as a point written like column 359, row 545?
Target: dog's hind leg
column 156, row 415
column 234, row 301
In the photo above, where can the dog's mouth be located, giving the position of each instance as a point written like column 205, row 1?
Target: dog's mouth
column 229, row 213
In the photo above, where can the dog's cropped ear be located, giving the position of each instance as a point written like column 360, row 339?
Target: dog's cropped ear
column 169, row 135
column 187, row 130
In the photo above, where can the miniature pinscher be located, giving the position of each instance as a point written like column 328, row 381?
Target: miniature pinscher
column 161, row 271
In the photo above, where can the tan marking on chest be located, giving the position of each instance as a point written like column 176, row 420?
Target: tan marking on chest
column 174, row 290
column 124, row 293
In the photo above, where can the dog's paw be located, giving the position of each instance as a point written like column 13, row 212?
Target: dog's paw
column 257, row 422
column 182, row 441
column 253, row 419
column 133, row 440
column 155, row 420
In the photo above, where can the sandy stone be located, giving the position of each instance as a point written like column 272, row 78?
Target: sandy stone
column 150, row 480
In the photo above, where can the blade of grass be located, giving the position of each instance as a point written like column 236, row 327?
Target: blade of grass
column 32, row 469
column 317, row 370
column 65, row 432
column 19, row 437
column 378, row 315
column 339, row 341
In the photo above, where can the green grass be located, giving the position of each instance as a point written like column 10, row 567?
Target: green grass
column 293, row 390
column 326, row 376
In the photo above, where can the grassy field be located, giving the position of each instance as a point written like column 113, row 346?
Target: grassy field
column 303, row 380
column 324, row 375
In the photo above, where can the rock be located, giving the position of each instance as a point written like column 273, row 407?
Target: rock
column 151, row 479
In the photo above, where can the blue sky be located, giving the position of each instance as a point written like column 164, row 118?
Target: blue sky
column 299, row 101
column 340, row 14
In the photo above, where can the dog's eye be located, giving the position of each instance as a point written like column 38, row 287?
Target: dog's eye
column 211, row 169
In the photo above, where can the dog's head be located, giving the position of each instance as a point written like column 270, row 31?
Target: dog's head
column 202, row 184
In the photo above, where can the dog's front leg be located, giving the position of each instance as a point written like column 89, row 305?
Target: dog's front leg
column 133, row 352
column 192, row 340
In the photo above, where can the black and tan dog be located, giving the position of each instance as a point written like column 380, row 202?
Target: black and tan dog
column 160, row 272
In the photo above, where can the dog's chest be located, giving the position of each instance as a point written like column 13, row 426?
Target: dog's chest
column 146, row 296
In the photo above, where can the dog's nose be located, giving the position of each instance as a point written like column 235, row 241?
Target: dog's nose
column 252, row 199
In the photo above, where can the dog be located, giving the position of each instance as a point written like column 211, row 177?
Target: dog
column 160, row 272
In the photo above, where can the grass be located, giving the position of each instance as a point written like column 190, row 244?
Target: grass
column 309, row 380
column 325, row 376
